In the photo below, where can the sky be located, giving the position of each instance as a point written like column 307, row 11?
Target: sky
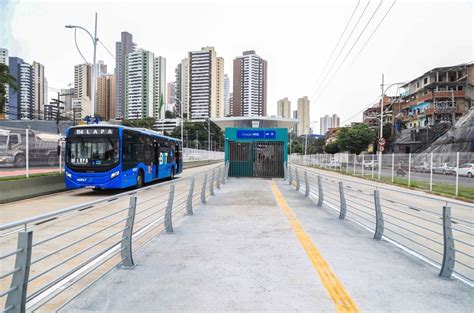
column 295, row 37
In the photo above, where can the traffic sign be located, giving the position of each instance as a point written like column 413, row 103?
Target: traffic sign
column 382, row 141
column 381, row 148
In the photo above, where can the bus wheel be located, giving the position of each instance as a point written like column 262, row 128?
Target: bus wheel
column 51, row 160
column 20, row 160
column 139, row 179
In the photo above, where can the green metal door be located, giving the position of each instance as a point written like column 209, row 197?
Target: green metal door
column 240, row 159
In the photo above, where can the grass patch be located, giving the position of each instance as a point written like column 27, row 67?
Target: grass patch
column 464, row 192
column 10, row 178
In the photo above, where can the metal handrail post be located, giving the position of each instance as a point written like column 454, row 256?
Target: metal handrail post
column 297, row 180
column 126, row 244
column 285, row 172
column 16, row 299
column 218, row 178
column 447, row 266
column 223, row 173
column 189, row 200
column 306, row 184
column 211, row 184
column 290, row 180
column 379, row 227
column 169, row 211
column 320, row 192
column 203, row 189
column 342, row 199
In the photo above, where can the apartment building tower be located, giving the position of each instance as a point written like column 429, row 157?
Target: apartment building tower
column 325, row 123
column 106, row 96
column 226, row 95
column 21, row 101
column 122, row 49
column 250, row 85
column 206, row 84
column 303, row 116
column 40, row 90
column 4, row 60
column 284, row 108
column 159, row 87
column 335, row 121
column 182, row 87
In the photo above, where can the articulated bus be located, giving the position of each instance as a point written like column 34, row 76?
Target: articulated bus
column 117, row 157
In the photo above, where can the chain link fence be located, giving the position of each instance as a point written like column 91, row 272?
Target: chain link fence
column 448, row 173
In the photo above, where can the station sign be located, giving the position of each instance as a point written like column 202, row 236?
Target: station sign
column 256, row 134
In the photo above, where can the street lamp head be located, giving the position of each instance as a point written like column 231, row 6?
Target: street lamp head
column 69, row 26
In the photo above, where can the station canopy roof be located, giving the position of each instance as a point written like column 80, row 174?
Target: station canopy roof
column 255, row 122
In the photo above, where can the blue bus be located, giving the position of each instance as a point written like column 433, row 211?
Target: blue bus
column 117, row 157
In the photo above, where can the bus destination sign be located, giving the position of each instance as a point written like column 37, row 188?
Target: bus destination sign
column 93, row 131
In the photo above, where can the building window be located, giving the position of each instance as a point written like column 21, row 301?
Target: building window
column 425, row 81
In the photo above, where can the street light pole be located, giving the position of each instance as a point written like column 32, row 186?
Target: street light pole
column 381, row 129
column 182, row 118
column 94, row 67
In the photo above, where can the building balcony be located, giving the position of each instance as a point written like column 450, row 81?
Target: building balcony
column 436, row 95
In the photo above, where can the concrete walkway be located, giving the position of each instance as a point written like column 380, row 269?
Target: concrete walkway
column 243, row 251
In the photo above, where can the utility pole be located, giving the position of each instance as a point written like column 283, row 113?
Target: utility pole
column 381, row 128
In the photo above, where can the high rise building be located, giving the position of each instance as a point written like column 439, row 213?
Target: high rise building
column 101, row 68
column 206, row 84
column 82, row 102
column 250, row 85
column 40, row 90
column 66, row 95
column 21, row 101
column 231, row 106
column 122, row 49
column 325, row 123
column 139, row 76
column 284, row 108
column 170, row 92
column 4, row 60
column 303, row 116
column 106, row 97
column 159, row 87
column 335, row 120
column 182, row 87
column 226, row 95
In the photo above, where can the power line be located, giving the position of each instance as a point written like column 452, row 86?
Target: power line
column 102, row 44
column 375, row 30
column 338, row 41
column 344, row 45
column 350, row 50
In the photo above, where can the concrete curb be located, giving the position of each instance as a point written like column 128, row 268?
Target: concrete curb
column 14, row 190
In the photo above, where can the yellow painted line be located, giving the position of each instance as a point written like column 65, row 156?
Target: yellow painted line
column 333, row 285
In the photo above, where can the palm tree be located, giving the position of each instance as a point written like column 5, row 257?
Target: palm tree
column 5, row 80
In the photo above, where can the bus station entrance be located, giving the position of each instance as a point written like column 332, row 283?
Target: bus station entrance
column 256, row 152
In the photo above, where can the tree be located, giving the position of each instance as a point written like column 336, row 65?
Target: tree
column 196, row 134
column 316, row 146
column 5, row 80
column 355, row 139
column 295, row 147
column 146, row 122
column 170, row 114
column 332, row 148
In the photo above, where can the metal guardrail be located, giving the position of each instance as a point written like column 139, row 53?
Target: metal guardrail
column 47, row 261
column 438, row 231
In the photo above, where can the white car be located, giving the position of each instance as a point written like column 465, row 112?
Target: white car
column 466, row 169
column 371, row 164
column 444, row 169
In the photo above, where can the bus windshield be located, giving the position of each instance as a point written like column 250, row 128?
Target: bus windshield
column 93, row 151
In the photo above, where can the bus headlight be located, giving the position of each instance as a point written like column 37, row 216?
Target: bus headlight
column 68, row 175
column 114, row 174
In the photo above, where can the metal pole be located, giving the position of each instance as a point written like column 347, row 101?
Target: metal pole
column 379, row 227
column 355, row 160
column 27, row 154
column 305, row 144
column 126, row 244
column 373, row 165
column 169, row 211
column 409, row 169
column 60, row 157
column 431, row 171
column 457, row 173
column 381, row 127
column 94, row 68
column 209, row 137
column 447, row 266
column 393, row 165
